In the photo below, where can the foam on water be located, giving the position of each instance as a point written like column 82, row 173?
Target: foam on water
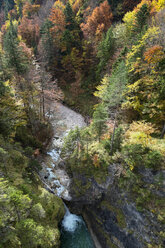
column 70, row 221
column 60, row 188
column 51, row 173
column 54, row 154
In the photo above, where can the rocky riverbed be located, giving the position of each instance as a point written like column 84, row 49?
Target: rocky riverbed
column 53, row 172
column 74, row 232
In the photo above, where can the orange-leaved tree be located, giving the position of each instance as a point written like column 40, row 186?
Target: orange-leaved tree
column 57, row 18
column 29, row 30
column 99, row 21
column 29, row 9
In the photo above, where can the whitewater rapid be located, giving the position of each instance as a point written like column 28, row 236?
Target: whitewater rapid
column 70, row 221
column 74, row 233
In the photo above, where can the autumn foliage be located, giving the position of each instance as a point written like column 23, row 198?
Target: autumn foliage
column 99, row 21
column 77, row 5
column 154, row 54
column 129, row 4
column 57, row 17
column 29, row 30
column 29, row 9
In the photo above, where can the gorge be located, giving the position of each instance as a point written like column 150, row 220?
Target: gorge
column 82, row 123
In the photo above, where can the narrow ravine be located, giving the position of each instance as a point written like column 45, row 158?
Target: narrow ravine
column 53, row 172
column 74, row 232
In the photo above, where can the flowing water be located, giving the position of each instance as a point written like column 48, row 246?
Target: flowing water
column 74, row 232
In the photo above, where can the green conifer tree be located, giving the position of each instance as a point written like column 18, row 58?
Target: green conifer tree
column 6, row 8
column 69, row 17
column 141, row 18
column 47, row 42
column 105, row 50
column 14, row 56
column 99, row 120
column 72, row 35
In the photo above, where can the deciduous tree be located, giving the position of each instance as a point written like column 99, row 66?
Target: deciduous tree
column 57, row 18
column 99, row 21
column 30, row 31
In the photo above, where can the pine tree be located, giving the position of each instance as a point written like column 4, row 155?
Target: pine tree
column 115, row 85
column 10, row 114
column 72, row 35
column 141, row 18
column 47, row 42
column 105, row 50
column 19, row 6
column 14, row 56
column 113, row 3
column 67, row 41
column 69, row 17
column 6, row 8
column 99, row 120
column 8, row 5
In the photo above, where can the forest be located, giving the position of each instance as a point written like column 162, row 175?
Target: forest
column 105, row 60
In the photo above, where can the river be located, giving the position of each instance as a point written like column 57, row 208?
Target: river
column 74, row 232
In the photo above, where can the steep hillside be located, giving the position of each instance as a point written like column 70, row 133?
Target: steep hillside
column 105, row 59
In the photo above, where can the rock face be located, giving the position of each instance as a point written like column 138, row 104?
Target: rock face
column 117, row 223
column 111, row 210
column 116, row 214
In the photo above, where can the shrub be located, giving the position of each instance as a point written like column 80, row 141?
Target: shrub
column 28, row 151
column 99, row 155
column 133, row 155
column 136, row 155
column 153, row 159
column 117, row 142
column 34, row 164
column 24, row 136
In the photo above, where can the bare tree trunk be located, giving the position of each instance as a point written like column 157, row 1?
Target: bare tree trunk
column 43, row 104
column 40, row 110
column 32, row 97
column 42, row 93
